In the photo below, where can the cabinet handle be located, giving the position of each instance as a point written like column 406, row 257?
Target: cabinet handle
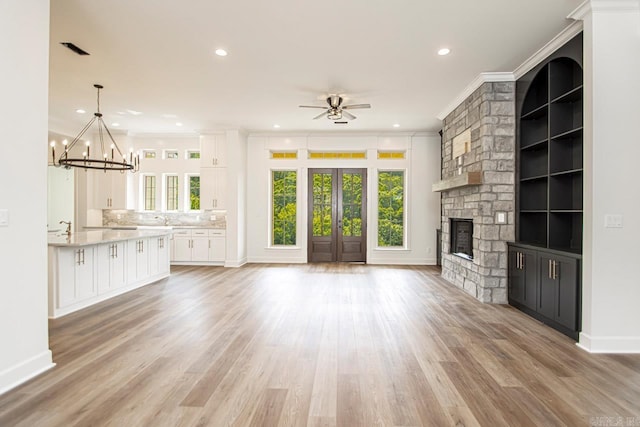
column 82, row 251
column 555, row 265
column 550, row 276
column 78, row 257
column 209, row 244
column 141, row 245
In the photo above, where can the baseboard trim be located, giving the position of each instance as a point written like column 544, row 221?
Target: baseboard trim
column 612, row 345
column 26, row 370
column 404, row 261
column 235, row 264
column 278, row 260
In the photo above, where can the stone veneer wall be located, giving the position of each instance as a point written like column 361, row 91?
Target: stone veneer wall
column 490, row 113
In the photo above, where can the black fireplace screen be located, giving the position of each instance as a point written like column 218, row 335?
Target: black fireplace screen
column 462, row 237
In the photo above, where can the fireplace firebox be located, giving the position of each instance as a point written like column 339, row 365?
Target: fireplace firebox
column 462, row 237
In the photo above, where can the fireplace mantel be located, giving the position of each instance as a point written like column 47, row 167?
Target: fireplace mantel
column 458, row 181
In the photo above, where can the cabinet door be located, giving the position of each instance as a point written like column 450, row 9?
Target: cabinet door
column 523, row 276
column 85, row 279
column 213, row 151
column 153, row 249
column 566, row 276
column 118, row 272
column 67, row 260
column 103, row 267
column 99, row 189
column 213, row 188
column 118, row 193
column 163, row 254
column 548, row 291
column 199, row 248
column 217, row 248
column 181, row 248
column 142, row 260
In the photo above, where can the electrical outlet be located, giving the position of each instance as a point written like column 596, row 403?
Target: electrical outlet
column 501, row 217
column 613, row 221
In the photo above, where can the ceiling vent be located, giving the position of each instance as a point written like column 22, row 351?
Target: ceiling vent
column 74, row 48
column 341, row 123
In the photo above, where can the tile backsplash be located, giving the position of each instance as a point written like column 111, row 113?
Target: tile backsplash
column 117, row 217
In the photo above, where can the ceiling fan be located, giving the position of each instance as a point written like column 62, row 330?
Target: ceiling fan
column 335, row 110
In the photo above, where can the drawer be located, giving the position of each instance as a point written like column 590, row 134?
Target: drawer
column 199, row 232
column 220, row 233
column 183, row 233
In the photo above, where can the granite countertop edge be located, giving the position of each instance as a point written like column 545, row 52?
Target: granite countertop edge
column 96, row 237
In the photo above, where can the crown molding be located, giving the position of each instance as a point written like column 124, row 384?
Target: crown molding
column 472, row 87
column 556, row 43
column 590, row 6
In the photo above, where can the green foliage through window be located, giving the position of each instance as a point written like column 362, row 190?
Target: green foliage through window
column 322, row 200
column 284, row 184
column 194, row 193
column 391, row 208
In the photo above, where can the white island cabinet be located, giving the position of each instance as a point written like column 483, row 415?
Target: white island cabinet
column 93, row 266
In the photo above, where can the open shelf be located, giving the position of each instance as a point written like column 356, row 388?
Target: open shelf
column 565, row 75
column 533, row 194
column 533, row 228
column 534, row 161
column 565, row 231
column 565, row 117
column 565, row 153
column 538, row 94
column 565, row 191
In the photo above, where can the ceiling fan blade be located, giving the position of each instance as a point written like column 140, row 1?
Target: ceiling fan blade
column 348, row 115
column 321, row 115
column 312, row 106
column 351, row 107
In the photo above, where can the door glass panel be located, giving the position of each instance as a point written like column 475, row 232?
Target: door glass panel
column 351, row 201
column 322, row 188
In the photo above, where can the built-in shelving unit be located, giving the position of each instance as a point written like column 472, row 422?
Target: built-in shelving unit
column 550, row 158
column 544, row 263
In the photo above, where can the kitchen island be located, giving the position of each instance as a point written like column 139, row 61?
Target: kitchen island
column 92, row 266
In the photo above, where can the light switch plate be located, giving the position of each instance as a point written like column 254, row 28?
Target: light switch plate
column 613, row 221
column 501, row 217
column 4, row 217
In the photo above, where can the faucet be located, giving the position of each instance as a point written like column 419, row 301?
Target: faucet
column 68, row 230
column 165, row 219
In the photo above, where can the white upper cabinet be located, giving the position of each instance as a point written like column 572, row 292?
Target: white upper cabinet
column 107, row 190
column 213, row 151
column 213, row 188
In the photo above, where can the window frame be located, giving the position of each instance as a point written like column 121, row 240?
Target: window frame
column 296, row 221
column 143, row 192
column 165, row 192
column 405, row 222
column 166, row 152
column 188, row 154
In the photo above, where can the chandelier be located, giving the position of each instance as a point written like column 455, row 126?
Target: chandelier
column 107, row 158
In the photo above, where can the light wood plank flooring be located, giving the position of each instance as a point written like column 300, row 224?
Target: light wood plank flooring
column 317, row 345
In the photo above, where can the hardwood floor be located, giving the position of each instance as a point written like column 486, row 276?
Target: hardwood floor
column 317, row 345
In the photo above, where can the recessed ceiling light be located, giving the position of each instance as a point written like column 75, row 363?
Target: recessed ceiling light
column 444, row 51
column 170, row 116
column 178, row 124
column 134, row 112
column 80, row 111
column 115, row 124
column 221, row 52
column 276, row 126
column 396, row 125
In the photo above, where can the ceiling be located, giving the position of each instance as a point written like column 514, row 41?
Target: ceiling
column 156, row 60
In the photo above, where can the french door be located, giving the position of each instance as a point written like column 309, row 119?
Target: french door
column 337, row 215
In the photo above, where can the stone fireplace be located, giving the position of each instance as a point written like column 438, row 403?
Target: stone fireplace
column 478, row 187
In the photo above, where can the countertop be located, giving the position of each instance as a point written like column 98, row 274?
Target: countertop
column 152, row 227
column 86, row 238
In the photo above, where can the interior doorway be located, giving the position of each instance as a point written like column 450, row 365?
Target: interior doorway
column 337, row 216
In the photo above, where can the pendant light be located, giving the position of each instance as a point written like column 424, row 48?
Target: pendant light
column 105, row 157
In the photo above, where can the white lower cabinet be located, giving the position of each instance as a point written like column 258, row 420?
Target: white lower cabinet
column 158, row 255
column 76, row 270
column 111, row 266
column 80, row 276
column 198, row 246
column 138, row 265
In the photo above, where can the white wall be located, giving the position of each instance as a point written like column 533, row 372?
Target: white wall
column 422, row 165
column 24, row 46
column 236, row 198
column 611, row 283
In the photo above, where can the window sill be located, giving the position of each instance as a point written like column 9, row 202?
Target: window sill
column 392, row 249
column 283, row 248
